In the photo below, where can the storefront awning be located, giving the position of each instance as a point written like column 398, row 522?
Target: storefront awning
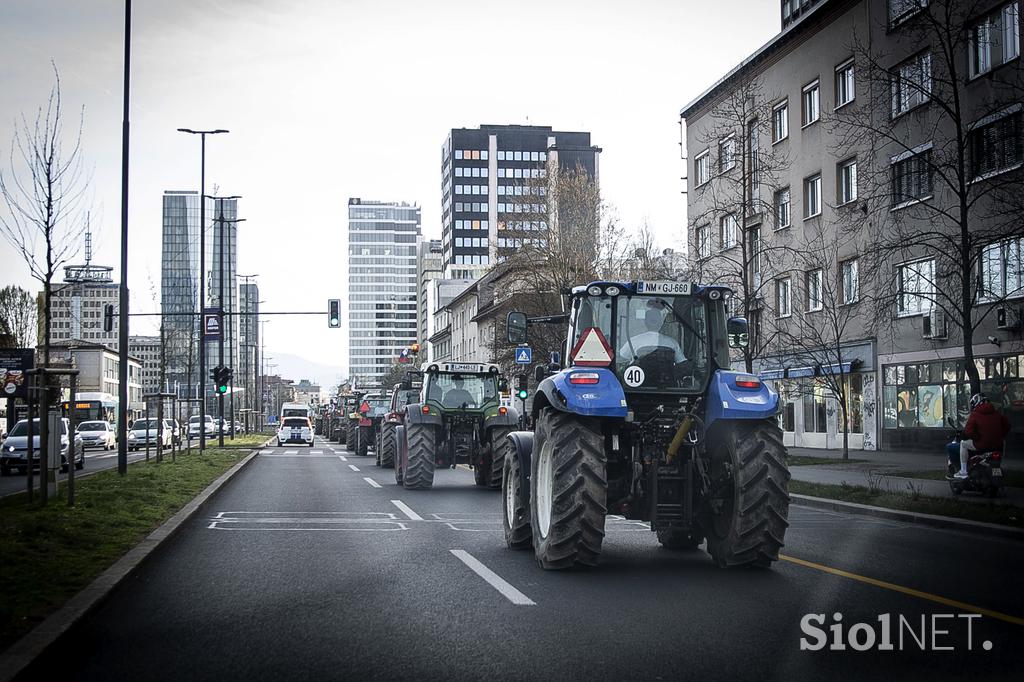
column 837, row 368
column 797, row 372
column 768, row 374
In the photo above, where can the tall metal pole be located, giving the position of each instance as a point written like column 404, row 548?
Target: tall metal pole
column 220, row 304
column 122, row 318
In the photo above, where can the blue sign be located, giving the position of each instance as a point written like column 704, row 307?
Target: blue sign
column 524, row 355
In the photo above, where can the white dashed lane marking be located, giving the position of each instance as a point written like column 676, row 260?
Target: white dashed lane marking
column 493, row 579
column 371, row 481
column 413, row 516
column 353, row 467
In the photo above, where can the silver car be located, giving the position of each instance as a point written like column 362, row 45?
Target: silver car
column 97, row 434
column 14, row 451
column 146, row 432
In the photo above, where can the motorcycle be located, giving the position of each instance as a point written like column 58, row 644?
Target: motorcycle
column 984, row 468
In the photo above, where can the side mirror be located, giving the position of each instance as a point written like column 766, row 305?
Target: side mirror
column 555, row 361
column 516, row 324
column 503, row 385
column 738, row 332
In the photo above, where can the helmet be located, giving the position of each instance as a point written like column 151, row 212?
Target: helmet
column 978, row 399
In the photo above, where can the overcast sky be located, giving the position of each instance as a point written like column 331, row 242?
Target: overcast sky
column 328, row 99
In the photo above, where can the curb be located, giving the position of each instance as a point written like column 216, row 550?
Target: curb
column 25, row 650
column 930, row 520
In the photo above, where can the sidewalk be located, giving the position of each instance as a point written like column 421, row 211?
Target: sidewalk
column 873, row 473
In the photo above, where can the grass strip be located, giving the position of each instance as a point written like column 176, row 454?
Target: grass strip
column 905, row 501
column 50, row 553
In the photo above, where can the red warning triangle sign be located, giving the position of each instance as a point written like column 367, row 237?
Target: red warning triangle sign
column 592, row 350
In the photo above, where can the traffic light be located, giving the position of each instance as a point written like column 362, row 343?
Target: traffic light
column 334, row 313
column 521, row 391
column 221, row 378
column 108, row 317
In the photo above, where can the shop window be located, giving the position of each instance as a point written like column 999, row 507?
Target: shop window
column 855, row 403
column 815, row 413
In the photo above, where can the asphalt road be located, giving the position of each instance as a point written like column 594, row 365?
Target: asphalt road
column 311, row 565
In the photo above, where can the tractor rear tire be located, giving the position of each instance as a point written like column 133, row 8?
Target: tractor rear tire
column 482, row 472
column 515, row 517
column 399, row 450
column 421, row 443
column 386, row 456
column 748, row 527
column 499, row 449
column 362, row 441
column 350, row 435
column 568, row 490
column 677, row 538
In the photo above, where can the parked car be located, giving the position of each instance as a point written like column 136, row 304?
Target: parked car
column 148, row 432
column 175, row 428
column 196, row 426
column 14, row 451
column 295, row 430
column 97, row 434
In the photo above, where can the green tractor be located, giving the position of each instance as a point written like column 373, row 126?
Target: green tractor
column 350, row 420
column 460, row 420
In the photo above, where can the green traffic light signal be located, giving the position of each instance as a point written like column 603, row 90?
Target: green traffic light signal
column 522, row 394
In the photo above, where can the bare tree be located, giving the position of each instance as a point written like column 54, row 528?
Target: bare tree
column 18, row 316
column 736, row 201
column 42, row 192
column 831, row 310
column 941, row 195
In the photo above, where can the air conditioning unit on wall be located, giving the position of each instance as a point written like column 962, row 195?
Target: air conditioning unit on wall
column 933, row 324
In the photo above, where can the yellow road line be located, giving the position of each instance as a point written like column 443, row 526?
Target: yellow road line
column 905, row 590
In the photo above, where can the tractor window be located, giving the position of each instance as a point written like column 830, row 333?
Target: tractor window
column 456, row 390
column 592, row 311
column 662, row 342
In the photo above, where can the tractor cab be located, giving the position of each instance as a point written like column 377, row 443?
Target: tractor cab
column 461, row 386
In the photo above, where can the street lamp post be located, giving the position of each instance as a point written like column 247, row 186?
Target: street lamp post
column 122, row 313
column 202, row 271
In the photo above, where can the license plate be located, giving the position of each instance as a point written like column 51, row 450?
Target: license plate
column 663, row 287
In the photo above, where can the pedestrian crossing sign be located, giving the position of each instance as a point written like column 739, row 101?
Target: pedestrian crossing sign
column 524, row 355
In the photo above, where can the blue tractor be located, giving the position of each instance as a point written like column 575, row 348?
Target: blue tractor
column 647, row 421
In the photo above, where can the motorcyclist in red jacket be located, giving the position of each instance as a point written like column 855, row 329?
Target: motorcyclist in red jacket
column 985, row 430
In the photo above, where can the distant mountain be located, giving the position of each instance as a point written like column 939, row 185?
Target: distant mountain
column 298, row 368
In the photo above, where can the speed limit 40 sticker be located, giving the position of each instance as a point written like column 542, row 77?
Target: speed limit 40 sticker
column 633, row 376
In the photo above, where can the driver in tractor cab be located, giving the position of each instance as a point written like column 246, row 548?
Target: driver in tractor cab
column 457, row 396
column 648, row 336
column 985, row 430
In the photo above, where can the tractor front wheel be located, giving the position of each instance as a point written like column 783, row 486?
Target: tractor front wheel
column 515, row 518
column 363, row 440
column 746, row 509
column 498, row 449
column 386, row 456
column 350, row 435
column 421, row 444
column 568, row 490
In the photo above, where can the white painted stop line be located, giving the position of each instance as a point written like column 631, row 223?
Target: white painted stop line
column 371, row 481
column 493, row 579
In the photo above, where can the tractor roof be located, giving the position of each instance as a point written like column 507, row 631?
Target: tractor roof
column 462, row 367
column 634, row 287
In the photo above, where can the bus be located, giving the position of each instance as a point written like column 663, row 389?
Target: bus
column 93, row 407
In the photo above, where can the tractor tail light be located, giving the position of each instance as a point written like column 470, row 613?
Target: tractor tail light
column 584, row 378
column 425, row 410
column 747, row 381
column 503, row 410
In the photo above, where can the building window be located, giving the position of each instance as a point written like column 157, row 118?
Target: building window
column 702, row 168
column 815, row 412
column 917, row 287
column 845, row 87
column 994, row 39
column 811, row 104
column 753, row 147
column 813, row 281
column 911, row 177
column 996, row 146
column 727, row 231
column 812, row 196
column 1002, row 269
column 850, row 280
column 925, row 395
column 703, row 241
column 783, row 297
column 911, row 83
column 900, row 10
column 846, row 181
column 726, row 154
column 782, row 216
column 780, row 121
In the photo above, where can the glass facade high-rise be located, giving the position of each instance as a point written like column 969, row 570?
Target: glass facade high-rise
column 382, row 240
column 248, row 344
column 179, row 287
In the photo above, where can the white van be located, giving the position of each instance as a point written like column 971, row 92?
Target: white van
column 296, row 410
